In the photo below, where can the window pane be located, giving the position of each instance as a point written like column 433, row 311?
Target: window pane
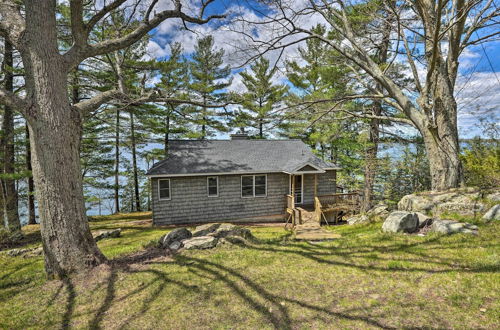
column 164, row 184
column 164, row 188
column 212, row 191
column 260, row 180
column 212, row 182
column 260, row 190
column 247, row 181
column 247, row 191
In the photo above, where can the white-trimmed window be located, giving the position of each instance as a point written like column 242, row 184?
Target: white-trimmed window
column 164, row 189
column 254, row 185
column 213, row 186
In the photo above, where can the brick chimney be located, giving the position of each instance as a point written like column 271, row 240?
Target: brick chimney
column 241, row 135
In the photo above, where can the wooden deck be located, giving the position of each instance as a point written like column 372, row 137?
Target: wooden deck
column 306, row 223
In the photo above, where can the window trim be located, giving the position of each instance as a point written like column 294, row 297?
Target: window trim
column 253, row 186
column 208, row 186
column 169, row 190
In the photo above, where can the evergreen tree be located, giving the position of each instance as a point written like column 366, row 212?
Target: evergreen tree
column 262, row 97
column 314, row 115
column 208, row 81
column 169, row 120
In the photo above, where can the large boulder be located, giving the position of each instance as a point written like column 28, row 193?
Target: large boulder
column 400, row 221
column 465, row 202
column 227, row 229
column 102, row 234
column 358, row 219
column 200, row 242
column 423, row 220
column 378, row 211
column 452, row 227
column 492, row 214
column 176, row 235
column 204, row 230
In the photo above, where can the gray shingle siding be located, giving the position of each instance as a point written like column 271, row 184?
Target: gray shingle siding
column 190, row 203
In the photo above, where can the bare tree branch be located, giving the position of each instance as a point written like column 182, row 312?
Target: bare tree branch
column 12, row 100
column 78, row 53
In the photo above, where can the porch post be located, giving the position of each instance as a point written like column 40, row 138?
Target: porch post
column 315, row 185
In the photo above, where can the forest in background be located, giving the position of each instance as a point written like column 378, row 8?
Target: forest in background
column 347, row 103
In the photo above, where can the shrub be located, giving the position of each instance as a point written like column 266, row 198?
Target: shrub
column 481, row 161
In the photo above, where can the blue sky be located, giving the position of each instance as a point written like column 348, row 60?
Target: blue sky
column 477, row 88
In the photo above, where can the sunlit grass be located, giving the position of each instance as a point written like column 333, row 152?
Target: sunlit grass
column 364, row 279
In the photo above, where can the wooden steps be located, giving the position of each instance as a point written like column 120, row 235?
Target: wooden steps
column 310, row 228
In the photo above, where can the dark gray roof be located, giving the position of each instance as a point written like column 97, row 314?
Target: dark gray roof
column 236, row 156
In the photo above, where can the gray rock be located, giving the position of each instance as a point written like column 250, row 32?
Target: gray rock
column 358, row 219
column 494, row 197
column 227, row 229
column 415, row 203
column 453, row 227
column 400, row 221
column 470, row 208
column 492, row 214
column 25, row 252
column 463, row 201
column 175, row 246
column 17, row 252
column 423, row 220
column 176, row 235
column 238, row 240
column 200, row 242
column 204, row 230
column 102, row 234
column 380, row 210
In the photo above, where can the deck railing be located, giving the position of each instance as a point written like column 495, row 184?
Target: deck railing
column 331, row 200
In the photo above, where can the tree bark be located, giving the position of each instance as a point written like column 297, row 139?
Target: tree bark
column 371, row 158
column 441, row 140
column 371, row 151
column 117, row 162
column 31, row 184
column 8, row 189
column 55, row 128
column 134, row 164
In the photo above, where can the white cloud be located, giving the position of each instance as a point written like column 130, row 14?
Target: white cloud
column 478, row 96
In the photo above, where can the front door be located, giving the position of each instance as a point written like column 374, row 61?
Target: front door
column 298, row 188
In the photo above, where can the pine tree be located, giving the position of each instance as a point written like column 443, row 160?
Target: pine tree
column 169, row 119
column 262, row 98
column 208, row 81
column 319, row 77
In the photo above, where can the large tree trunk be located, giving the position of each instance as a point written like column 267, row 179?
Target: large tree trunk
column 55, row 128
column 371, row 158
column 441, row 141
column 8, row 183
column 31, row 184
column 371, row 152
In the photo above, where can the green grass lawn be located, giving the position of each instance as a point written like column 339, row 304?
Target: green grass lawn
column 366, row 279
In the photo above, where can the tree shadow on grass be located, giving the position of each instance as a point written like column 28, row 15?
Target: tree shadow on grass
column 274, row 308
column 278, row 314
column 350, row 256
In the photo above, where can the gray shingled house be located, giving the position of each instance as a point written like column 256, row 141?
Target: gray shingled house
column 237, row 180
